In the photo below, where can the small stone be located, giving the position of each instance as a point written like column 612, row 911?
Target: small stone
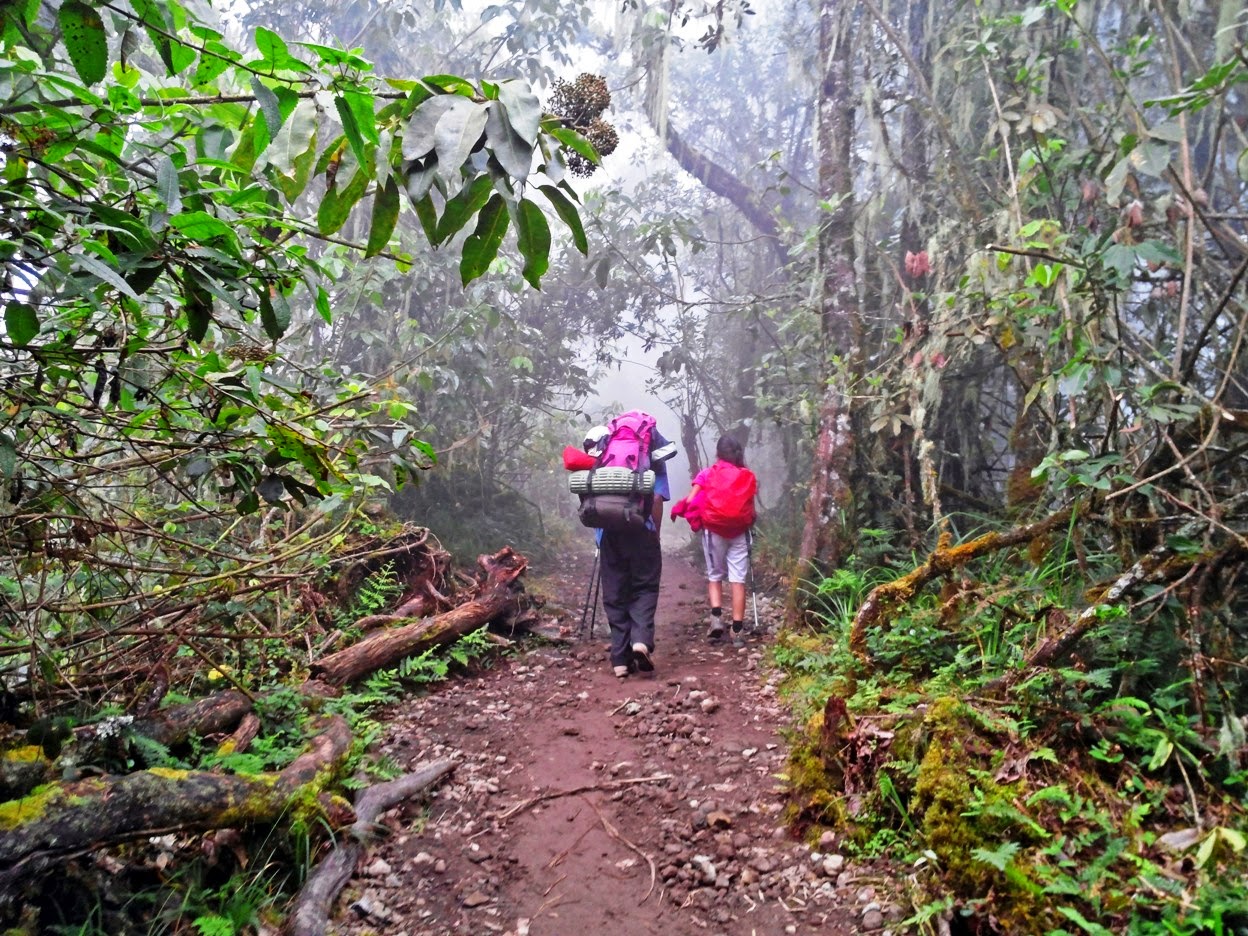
column 709, row 706
column 370, row 906
column 422, row 860
column 866, row 895
column 833, row 864
column 827, row 840
column 718, row 819
column 439, row 866
column 706, row 867
column 379, row 868
column 474, row 899
column 632, row 708
column 872, row 920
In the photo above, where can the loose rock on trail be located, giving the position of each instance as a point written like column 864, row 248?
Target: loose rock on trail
column 583, row 804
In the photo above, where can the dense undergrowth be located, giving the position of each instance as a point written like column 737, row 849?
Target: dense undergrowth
column 1106, row 793
column 234, row 880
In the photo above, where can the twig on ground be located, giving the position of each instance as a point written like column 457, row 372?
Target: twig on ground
column 615, row 834
column 620, row 706
column 575, row 791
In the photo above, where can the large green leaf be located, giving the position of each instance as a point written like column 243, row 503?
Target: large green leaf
column 457, row 134
column 168, row 188
column 198, row 307
column 269, row 106
column 21, row 323
column 481, row 246
column 463, row 206
column 102, row 271
column 292, row 151
column 571, row 217
column 274, row 317
column 533, row 239
column 508, row 147
column 85, row 40
column 336, row 206
column 524, row 110
column 201, row 226
column 350, row 127
column 577, row 143
column 418, row 138
column 385, row 214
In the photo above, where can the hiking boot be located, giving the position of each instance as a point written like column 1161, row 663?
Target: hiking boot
column 716, row 633
column 738, row 636
column 641, row 656
column 621, row 672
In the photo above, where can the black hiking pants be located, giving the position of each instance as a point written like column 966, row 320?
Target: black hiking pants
column 632, row 564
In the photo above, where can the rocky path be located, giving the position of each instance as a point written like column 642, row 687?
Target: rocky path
column 591, row 806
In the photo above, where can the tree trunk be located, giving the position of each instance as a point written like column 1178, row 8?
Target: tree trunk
column 62, row 820
column 826, row 533
column 499, row 594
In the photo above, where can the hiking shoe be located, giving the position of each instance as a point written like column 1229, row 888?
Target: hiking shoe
column 641, row 656
column 716, row 633
column 621, row 672
column 738, row 637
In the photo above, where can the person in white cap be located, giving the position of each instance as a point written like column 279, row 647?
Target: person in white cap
column 631, row 566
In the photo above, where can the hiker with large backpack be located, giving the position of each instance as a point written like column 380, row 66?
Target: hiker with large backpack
column 622, row 495
column 721, row 506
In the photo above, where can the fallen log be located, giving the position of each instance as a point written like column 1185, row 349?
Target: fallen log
column 884, row 599
column 309, row 915
column 58, row 821
column 22, row 769
column 497, row 594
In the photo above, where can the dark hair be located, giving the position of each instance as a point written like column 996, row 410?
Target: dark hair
column 730, row 450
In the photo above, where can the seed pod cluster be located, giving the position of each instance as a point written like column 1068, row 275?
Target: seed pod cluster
column 580, row 103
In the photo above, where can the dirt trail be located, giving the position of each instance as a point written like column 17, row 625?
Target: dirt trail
column 677, row 832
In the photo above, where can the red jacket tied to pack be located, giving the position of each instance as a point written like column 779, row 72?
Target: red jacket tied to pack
column 728, row 507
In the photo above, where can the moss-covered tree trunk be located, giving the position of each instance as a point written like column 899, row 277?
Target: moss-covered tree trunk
column 825, row 532
column 57, row 821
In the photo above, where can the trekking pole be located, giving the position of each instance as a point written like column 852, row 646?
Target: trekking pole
column 593, row 620
column 749, row 553
column 593, row 579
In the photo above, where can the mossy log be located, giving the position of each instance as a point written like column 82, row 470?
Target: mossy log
column 21, row 770
column 884, row 599
column 309, row 915
column 498, row 594
column 60, row 820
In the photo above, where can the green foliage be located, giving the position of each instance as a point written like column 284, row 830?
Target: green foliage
column 1045, row 808
column 166, row 200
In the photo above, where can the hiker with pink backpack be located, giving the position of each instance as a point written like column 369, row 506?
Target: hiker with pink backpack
column 622, row 493
column 721, row 506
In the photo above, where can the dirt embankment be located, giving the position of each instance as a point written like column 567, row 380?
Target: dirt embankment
column 583, row 805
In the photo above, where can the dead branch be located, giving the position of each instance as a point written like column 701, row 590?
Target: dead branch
column 498, row 594
column 883, row 599
column 309, row 915
column 576, row 791
column 615, row 834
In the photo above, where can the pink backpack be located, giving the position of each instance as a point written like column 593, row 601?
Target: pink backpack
column 628, row 442
column 628, row 446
